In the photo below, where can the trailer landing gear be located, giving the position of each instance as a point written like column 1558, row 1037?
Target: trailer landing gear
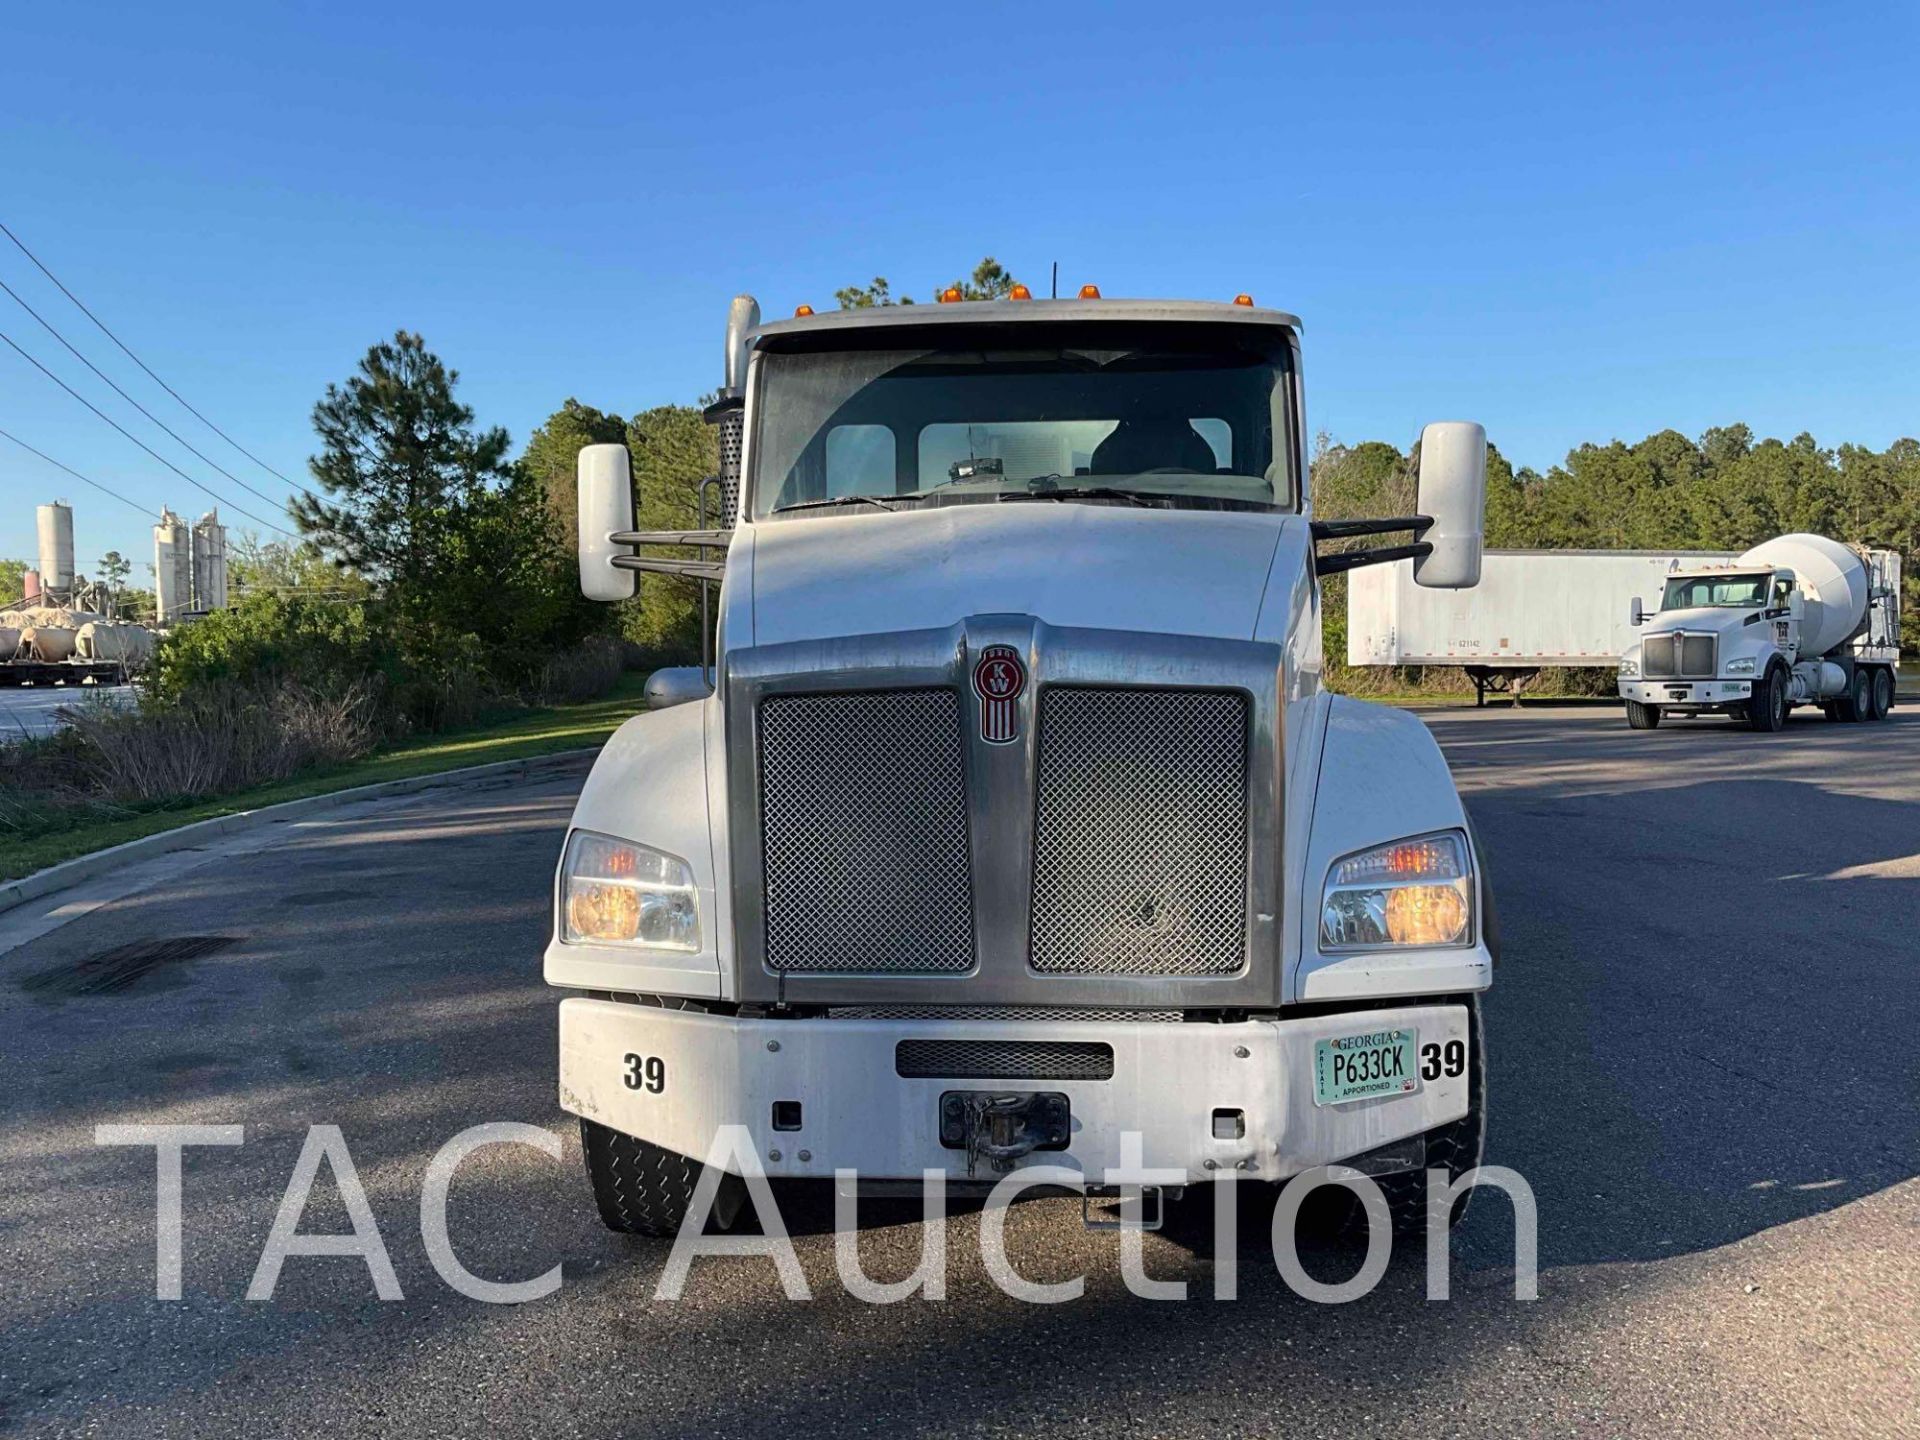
column 1500, row 679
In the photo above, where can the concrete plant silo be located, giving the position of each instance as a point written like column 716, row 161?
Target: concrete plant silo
column 172, row 568
column 55, row 523
column 210, row 563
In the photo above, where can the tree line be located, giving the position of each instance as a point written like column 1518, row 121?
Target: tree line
column 468, row 548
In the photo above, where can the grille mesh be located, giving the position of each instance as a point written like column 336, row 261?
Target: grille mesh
column 998, row 1012
column 1003, row 1060
column 1656, row 656
column 1673, row 656
column 1140, row 842
column 863, row 800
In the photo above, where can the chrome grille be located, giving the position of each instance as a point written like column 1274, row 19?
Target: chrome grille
column 864, row 829
column 1003, row 1060
column 999, row 1012
column 1140, row 840
column 1675, row 656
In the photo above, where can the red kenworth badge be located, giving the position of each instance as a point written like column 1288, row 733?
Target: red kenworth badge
column 998, row 679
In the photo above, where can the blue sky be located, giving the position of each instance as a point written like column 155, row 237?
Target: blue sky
column 1569, row 223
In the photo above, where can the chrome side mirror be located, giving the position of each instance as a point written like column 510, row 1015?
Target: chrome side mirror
column 676, row 685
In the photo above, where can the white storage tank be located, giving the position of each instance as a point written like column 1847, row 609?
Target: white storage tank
column 48, row 642
column 55, row 523
column 102, row 640
column 209, row 563
column 172, row 568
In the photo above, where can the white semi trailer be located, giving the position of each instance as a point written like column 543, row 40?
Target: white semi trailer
column 1533, row 610
column 1015, row 827
column 1798, row 620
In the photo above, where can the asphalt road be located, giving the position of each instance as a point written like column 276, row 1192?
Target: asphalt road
column 27, row 710
column 1703, row 1058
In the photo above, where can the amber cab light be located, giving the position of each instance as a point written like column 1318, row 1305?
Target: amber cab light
column 1243, row 300
column 951, row 295
column 1019, row 292
column 800, row 311
column 1089, row 292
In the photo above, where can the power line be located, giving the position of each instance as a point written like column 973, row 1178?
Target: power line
column 137, row 440
column 48, row 327
column 21, row 245
column 74, row 473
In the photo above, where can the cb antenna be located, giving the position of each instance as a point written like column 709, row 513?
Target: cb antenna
column 1056, row 281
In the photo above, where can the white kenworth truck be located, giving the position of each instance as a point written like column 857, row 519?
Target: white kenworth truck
column 1799, row 620
column 1009, row 824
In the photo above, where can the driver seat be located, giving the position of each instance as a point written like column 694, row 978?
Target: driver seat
column 1139, row 445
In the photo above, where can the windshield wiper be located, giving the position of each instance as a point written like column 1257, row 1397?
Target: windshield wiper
column 1091, row 492
column 831, row 500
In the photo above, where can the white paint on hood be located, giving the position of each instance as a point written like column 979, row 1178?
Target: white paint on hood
column 1117, row 567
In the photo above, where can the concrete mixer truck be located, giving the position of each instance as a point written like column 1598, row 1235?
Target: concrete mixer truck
column 1798, row 620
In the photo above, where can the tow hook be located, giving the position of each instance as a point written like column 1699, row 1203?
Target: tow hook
column 1001, row 1127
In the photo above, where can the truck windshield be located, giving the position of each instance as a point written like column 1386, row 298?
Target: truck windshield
column 1686, row 592
column 1157, row 414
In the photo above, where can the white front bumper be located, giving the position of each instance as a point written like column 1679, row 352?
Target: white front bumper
column 1698, row 692
column 857, row 1113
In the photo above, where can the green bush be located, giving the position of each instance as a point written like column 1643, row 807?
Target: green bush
column 269, row 640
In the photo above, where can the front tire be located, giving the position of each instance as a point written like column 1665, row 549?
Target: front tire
column 1767, row 709
column 1456, row 1147
column 645, row 1189
column 1642, row 717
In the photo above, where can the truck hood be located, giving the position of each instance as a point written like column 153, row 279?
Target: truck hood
column 1181, row 572
column 1720, row 619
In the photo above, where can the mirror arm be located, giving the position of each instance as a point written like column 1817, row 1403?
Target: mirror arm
column 1345, row 529
column 1354, row 559
column 710, row 539
column 691, row 569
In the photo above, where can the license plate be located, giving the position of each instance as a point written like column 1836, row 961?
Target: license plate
column 1365, row 1066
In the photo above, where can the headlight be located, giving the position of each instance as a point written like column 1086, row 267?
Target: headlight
column 1629, row 667
column 1412, row 892
column 1740, row 667
column 616, row 892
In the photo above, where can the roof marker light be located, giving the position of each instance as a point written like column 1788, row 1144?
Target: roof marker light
column 1243, row 300
column 1089, row 292
column 801, row 311
column 951, row 295
column 1019, row 292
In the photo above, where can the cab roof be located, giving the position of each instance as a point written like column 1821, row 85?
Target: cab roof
column 1003, row 312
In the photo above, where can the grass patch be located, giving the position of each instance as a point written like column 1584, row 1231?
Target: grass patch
column 513, row 735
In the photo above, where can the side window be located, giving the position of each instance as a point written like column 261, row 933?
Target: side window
column 1782, row 588
column 860, row 460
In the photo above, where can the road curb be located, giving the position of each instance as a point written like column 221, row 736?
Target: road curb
column 186, row 837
